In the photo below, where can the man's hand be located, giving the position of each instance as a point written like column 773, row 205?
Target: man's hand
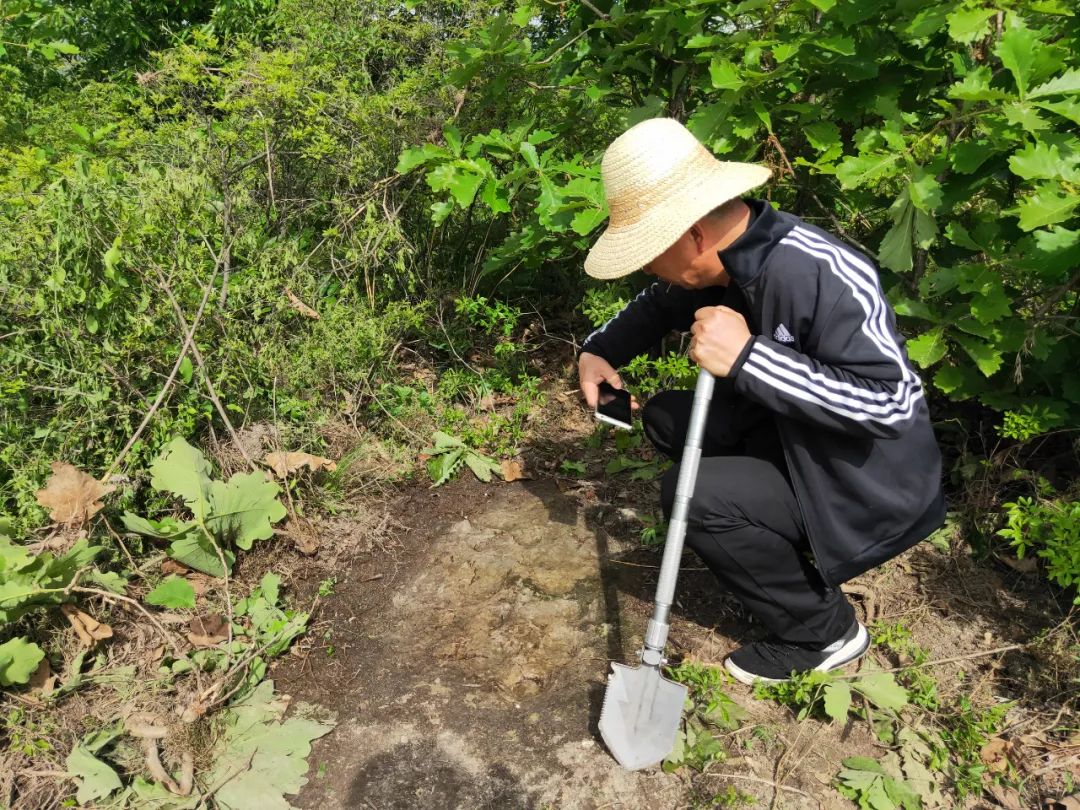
column 719, row 336
column 593, row 370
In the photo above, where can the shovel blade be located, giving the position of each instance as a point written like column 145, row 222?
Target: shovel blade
column 640, row 715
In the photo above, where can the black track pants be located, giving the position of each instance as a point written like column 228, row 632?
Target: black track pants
column 744, row 519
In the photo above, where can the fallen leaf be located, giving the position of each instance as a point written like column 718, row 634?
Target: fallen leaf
column 1026, row 565
column 995, row 754
column 43, row 681
column 285, row 463
column 208, row 631
column 300, row 306
column 486, row 403
column 200, row 583
column 71, row 495
column 1066, row 803
column 1006, row 797
column 513, row 470
column 89, row 629
column 157, row 653
column 170, row 566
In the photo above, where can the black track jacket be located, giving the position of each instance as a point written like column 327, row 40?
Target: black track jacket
column 826, row 359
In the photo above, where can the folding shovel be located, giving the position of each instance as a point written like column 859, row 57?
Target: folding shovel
column 642, row 708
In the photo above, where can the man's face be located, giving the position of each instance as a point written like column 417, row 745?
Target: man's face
column 687, row 263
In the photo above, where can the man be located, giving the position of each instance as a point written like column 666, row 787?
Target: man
column 819, row 462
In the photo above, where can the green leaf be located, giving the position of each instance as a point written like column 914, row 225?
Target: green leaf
column 586, row 220
column 174, row 592
column 823, row 5
column 186, row 370
column 64, row 47
column 18, row 660
column 493, row 198
column 1018, row 50
column 262, row 757
column 185, row 472
column 1042, row 161
column 861, row 170
column 1065, row 84
column 822, row 135
column 929, row 347
column 785, row 50
column 987, row 358
column 1069, row 108
column 528, row 151
column 96, row 779
column 881, row 689
column 195, row 550
column 725, row 75
column 1047, row 206
column 418, row 156
column 164, row 529
column 837, row 700
column 925, row 190
column 968, row 24
column 481, row 465
column 967, row 156
column 243, row 509
column 975, row 86
column 464, row 185
column 993, row 305
column 845, row 46
column 863, row 764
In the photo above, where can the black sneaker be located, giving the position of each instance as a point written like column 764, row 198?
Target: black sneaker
column 773, row 661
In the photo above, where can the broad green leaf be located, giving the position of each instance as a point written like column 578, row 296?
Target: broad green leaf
column 1047, row 206
column 1040, row 161
column 493, row 197
column 185, row 472
column 64, row 47
column 862, row 764
column 1069, row 108
column 418, row 156
column 975, row 86
column 823, row 5
column 95, row 778
column 724, row 74
column 967, row 156
column 1023, row 114
column 881, row 689
column 987, row 358
column 528, row 151
column 173, row 592
column 1065, row 84
column 929, row 347
column 822, row 135
column 845, row 46
column 837, row 700
column 18, row 660
column 164, row 529
column 244, row 509
column 464, row 185
column 1018, row 50
column 482, row 466
column 968, row 24
column 924, row 190
column 586, row 220
column 992, row 305
column 956, row 233
column 262, row 757
column 1056, row 239
column 186, row 370
column 195, row 550
column 859, row 170
column 785, row 50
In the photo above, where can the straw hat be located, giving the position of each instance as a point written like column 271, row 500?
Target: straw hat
column 659, row 180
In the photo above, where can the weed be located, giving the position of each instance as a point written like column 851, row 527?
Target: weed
column 711, row 712
column 326, row 587
column 569, row 467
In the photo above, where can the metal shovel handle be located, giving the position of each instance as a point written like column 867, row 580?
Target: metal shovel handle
column 657, row 632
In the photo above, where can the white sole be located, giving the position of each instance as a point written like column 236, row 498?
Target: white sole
column 846, row 654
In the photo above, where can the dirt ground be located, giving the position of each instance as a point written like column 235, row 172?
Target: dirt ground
column 464, row 655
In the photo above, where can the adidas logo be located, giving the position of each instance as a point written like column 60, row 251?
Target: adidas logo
column 782, row 335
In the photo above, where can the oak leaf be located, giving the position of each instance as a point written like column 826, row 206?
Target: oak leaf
column 72, row 496
column 285, row 463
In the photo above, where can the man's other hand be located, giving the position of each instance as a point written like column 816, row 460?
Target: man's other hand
column 593, row 370
column 719, row 336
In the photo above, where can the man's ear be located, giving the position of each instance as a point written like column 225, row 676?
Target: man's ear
column 697, row 234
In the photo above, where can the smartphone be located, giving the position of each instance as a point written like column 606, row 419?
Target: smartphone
column 613, row 406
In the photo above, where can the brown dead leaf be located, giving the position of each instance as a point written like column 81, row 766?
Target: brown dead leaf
column 1006, row 797
column 300, row 306
column 995, row 754
column 486, row 403
column 89, row 629
column 200, row 583
column 513, row 470
column 169, row 566
column 208, row 631
column 285, row 463
column 157, row 653
column 43, row 681
column 1065, row 803
column 1025, row 565
column 71, row 495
